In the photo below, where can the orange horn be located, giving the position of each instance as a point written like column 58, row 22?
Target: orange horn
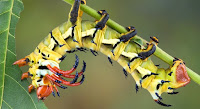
column 21, row 62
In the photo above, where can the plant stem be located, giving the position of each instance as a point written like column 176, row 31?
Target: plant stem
column 158, row 53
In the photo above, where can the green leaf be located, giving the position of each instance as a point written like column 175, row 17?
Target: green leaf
column 13, row 91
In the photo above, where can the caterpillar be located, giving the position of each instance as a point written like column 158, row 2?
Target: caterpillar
column 76, row 35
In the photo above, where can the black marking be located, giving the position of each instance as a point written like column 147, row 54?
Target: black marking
column 158, row 96
column 57, row 81
column 61, row 45
column 130, row 28
column 30, row 74
column 101, row 24
column 37, row 62
column 94, row 52
column 154, row 39
column 173, row 64
column 115, row 47
column 54, row 38
column 38, row 50
column 76, row 62
column 128, row 36
column 136, row 88
column 43, row 68
column 159, row 102
column 157, row 65
column 54, row 47
column 27, row 60
column 133, row 59
column 113, row 52
column 43, row 54
column 48, row 55
column 93, row 42
column 93, row 36
column 109, row 59
column 170, row 88
column 53, row 94
column 62, row 58
column 75, row 79
column 32, row 61
column 44, row 58
column 162, row 81
column 125, row 72
column 144, row 55
column 158, row 86
column 82, row 2
column 73, row 34
column 74, row 12
column 41, row 76
column 172, row 93
column 39, row 80
column 170, row 74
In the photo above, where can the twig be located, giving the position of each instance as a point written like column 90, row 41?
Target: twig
column 158, row 53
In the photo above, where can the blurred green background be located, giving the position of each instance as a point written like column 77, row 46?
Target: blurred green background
column 175, row 23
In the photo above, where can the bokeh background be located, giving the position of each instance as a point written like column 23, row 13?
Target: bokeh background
column 175, row 23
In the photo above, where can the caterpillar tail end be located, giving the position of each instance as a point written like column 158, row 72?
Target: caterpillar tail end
column 21, row 62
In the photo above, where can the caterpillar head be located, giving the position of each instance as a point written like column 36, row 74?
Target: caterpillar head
column 180, row 76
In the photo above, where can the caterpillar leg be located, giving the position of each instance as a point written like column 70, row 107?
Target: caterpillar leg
column 30, row 88
column 25, row 75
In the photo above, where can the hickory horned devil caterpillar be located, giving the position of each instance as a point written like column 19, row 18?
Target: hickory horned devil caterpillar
column 76, row 35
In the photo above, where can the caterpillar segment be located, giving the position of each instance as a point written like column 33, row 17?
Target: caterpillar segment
column 76, row 34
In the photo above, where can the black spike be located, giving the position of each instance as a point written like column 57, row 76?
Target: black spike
column 113, row 52
column 94, row 52
column 75, row 79
column 159, row 102
column 136, row 88
column 82, row 79
column 158, row 96
column 84, row 66
column 58, row 94
column 76, row 62
column 172, row 93
column 82, row 49
column 92, row 41
column 154, row 73
column 110, row 60
column 125, row 72
column 71, row 51
column 141, row 83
